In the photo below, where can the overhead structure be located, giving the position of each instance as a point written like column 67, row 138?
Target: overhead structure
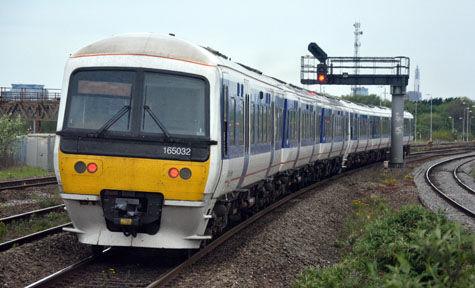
column 37, row 105
column 357, row 45
column 393, row 71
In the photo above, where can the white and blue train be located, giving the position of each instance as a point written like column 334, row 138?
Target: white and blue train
column 161, row 142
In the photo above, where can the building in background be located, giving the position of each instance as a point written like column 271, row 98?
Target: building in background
column 26, row 92
column 416, row 94
column 360, row 91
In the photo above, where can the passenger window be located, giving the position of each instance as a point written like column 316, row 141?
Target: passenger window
column 231, row 124
column 240, row 124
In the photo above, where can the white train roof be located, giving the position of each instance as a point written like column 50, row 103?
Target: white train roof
column 166, row 46
column 150, row 44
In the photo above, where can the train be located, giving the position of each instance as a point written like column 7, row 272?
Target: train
column 163, row 143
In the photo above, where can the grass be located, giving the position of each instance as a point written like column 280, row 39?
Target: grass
column 412, row 247
column 22, row 172
column 34, row 224
column 46, row 201
column 386, row 179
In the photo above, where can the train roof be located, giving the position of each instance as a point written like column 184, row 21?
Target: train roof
column 150, row 44
column 167, row 46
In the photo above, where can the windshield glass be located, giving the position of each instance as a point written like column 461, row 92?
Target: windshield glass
column 97, row 96
column 177, row 101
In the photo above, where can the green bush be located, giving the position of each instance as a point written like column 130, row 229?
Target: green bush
column 411, row 247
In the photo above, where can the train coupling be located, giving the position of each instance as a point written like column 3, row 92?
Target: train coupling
column 132, row 212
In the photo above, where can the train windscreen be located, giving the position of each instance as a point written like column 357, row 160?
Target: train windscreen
column 137, row 104
column 177, row 101
column 95, row 97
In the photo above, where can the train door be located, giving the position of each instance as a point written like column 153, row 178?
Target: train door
column 299, row 132
column 275, row 154
column 356, row 131
column 247, row 133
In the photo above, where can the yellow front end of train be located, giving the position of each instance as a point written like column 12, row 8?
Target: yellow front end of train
column 132, row 174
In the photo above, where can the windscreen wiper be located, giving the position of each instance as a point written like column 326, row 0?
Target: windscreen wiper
column 157, row 121
column 110, row 122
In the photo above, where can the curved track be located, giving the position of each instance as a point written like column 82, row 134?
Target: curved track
column 449, row 196
column 460, row 181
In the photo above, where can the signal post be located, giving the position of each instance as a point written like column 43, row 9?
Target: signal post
column 393, row 71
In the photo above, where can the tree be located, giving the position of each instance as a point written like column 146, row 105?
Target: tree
column 9, row 129
column 372, row 99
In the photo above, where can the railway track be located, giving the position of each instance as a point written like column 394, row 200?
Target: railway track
column 453, row 196
column 173, row 271
column 28, row 182
column 64, row 273
column 32, row 237
column 27, row 215
column 460, row 181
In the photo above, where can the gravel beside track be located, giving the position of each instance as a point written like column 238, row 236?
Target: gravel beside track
column 25, row 264
column 14, row 201
column 434, row 202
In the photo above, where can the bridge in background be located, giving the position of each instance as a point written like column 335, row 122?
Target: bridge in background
column 32, row 104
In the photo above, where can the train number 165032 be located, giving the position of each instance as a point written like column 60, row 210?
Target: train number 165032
column 177, row 151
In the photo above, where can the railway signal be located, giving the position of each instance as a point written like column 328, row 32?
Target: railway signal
column 322, row 71
column 393, row 71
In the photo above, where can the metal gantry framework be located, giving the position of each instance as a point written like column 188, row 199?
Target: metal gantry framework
column 39, row 105
column 393, row 71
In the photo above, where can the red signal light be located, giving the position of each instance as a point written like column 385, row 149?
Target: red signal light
column 321, row 78
column 173, row 172
column 92, row 167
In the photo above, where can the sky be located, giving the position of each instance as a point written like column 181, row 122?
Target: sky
column 37, row 37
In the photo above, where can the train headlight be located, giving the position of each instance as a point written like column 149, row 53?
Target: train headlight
column 173, row 172
column 185, row 173
column 80, row 167
column 92, row 167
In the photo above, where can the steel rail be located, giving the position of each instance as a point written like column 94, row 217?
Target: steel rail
column 29, row 182
column 449, row 200
column 49, row 280
column 9, row 219
column 460, row 182
column 448, row 149
column 419, row 156
column 53, row 277
column 34, row 236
